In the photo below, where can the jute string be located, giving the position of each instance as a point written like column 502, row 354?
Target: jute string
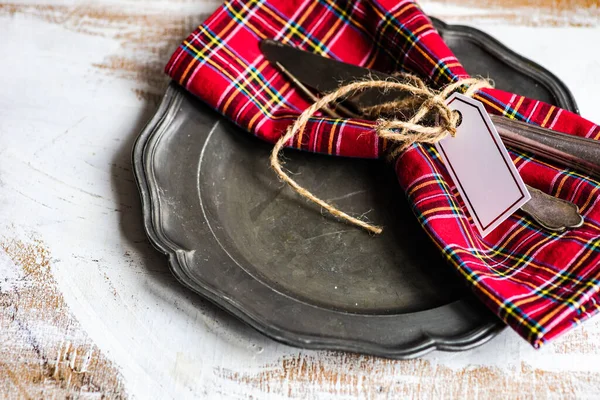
column 421, row 101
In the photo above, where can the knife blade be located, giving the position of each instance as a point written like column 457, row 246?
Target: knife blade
column 326, row 75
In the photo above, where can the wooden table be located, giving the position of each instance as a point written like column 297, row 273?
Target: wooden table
column 89, row 309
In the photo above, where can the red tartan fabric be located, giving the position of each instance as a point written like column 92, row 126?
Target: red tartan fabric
column 538, row 282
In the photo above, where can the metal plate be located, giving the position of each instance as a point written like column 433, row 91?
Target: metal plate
column 238, row 236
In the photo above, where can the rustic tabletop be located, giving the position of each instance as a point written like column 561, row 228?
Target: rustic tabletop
column 90, row 309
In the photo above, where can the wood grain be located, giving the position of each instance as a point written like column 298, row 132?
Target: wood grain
column 88, row 273
column 44, row 351
column 146, row 39
column 555, row 5
column 349, row 375
column 576, row 13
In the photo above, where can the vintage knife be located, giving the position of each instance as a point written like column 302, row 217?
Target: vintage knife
column 324, row 75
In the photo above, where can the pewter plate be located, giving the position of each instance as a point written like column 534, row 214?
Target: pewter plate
column 236, row 235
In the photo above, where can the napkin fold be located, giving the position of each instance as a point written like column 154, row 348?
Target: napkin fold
column 539, row 282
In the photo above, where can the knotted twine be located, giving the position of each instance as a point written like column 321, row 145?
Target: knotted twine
column 403, row 132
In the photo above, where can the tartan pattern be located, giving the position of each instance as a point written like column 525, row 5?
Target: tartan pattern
column 540, row 283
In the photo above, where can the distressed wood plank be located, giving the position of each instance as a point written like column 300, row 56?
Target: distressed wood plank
column 348, row 375
column 45, row 352
column 90, row 309
column 574, row 13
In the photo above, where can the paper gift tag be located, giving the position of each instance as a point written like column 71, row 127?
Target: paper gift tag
column 480, row 166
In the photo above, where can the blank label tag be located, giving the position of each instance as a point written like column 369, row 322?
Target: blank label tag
column 480, row 166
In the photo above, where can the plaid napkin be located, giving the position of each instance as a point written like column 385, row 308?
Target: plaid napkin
column 540, row 283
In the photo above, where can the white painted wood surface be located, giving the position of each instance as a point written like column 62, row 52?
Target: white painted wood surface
column 90, row 309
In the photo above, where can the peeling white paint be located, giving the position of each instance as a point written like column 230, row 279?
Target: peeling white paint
column 66, row 133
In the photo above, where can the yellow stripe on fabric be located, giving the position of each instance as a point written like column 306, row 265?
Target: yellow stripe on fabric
column 283, row 90
column 495, row 273
column 335, row 5
column 292, row 29
column 242, row 86
column 331, row 136
column 526, row 256
column 412, row 190
column 490, row 252
column 299, row 139
column 453, row 64
column 464, row 223
column 490, row 295
column 518, row 260
column 252, row 75
column 192, row 62
column 213, row 40
column 275, row 16
column 510, row 310
column 405, row 8
column 483, row 289
column 434, row 210
column 334, row 28
column 590, row 226
column 560, row 307
column 246, row 20
column 408, row 6
column 514, row 111
column 544, row 292
column 515, row 233
column 589, row 199
column 548, row 116
column 489, row 103
column 422, row 28
column 561, row 184
column 210, row 61
column 275, row 95
column 589, row 251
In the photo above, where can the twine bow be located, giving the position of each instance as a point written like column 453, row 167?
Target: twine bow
column 404, row 133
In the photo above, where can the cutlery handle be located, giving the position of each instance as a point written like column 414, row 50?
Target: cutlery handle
column 551, row 212
column 572, row 151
